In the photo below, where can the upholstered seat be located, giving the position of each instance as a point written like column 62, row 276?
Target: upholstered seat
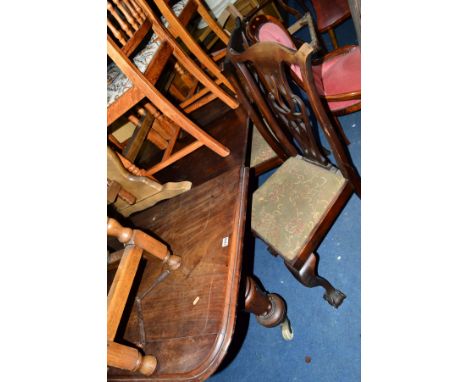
column 337, row 75
column 292, row 202
column 117, row 82
column 261, row 151
column 177, row 8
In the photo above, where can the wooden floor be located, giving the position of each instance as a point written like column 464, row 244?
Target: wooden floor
column 187, row 319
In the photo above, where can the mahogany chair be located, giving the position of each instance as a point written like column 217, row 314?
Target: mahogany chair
column 140, row 47
column 337, row 74
column 262, row 157
column 331, row 13
column 135, row 241
column 293, row 210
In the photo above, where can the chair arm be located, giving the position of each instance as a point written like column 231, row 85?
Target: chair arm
column 343, row 96
column 337, row 52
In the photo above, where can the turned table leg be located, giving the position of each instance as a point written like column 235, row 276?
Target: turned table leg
column 269, row 308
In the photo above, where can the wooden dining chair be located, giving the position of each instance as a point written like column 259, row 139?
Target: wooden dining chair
column 177, row 19
column 139, row 35
column 337, row 74
column 293, row 210
column 133, row 73
column 330, row 13
column 136, row 243
column 226, row 11
column 262, row 156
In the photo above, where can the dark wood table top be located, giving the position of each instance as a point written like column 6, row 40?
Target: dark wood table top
column 229, row 128
column 187, row 320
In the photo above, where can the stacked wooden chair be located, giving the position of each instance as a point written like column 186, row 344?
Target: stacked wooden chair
column 140, row 49
column 293, row 210
column 226, row 11
column 136, row 243
column 177, row 19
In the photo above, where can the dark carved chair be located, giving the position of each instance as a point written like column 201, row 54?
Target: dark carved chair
column 337, row 75
column 262, row 156
column 293, row 210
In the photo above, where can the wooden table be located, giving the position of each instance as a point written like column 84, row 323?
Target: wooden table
column 187, row 320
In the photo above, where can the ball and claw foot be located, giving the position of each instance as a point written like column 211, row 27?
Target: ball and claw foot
column 334, row 297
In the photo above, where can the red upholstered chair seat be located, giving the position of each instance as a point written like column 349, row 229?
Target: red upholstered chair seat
column 336, row 75
column 330, row 12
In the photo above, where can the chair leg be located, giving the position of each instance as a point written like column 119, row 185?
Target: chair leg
column 269, row 308
column 340, row 129
column 332, row 35
column 307, row 275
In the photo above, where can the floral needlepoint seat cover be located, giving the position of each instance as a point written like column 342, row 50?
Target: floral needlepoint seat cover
column 290, row 204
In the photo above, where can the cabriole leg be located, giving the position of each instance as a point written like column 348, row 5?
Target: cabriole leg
column 307, row 275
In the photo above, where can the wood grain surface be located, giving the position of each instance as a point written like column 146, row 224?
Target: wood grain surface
column 189, row 317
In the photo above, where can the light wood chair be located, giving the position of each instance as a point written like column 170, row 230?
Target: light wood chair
column 139, row 35
column 132, row 193
column 134, row 72
column 226, row 11
column 136, row 243
column 293, row 210
column 177, row 19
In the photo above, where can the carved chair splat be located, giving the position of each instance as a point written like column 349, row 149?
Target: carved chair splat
column 262, row 156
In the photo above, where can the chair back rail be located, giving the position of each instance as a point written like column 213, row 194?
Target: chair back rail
column 125, row 19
